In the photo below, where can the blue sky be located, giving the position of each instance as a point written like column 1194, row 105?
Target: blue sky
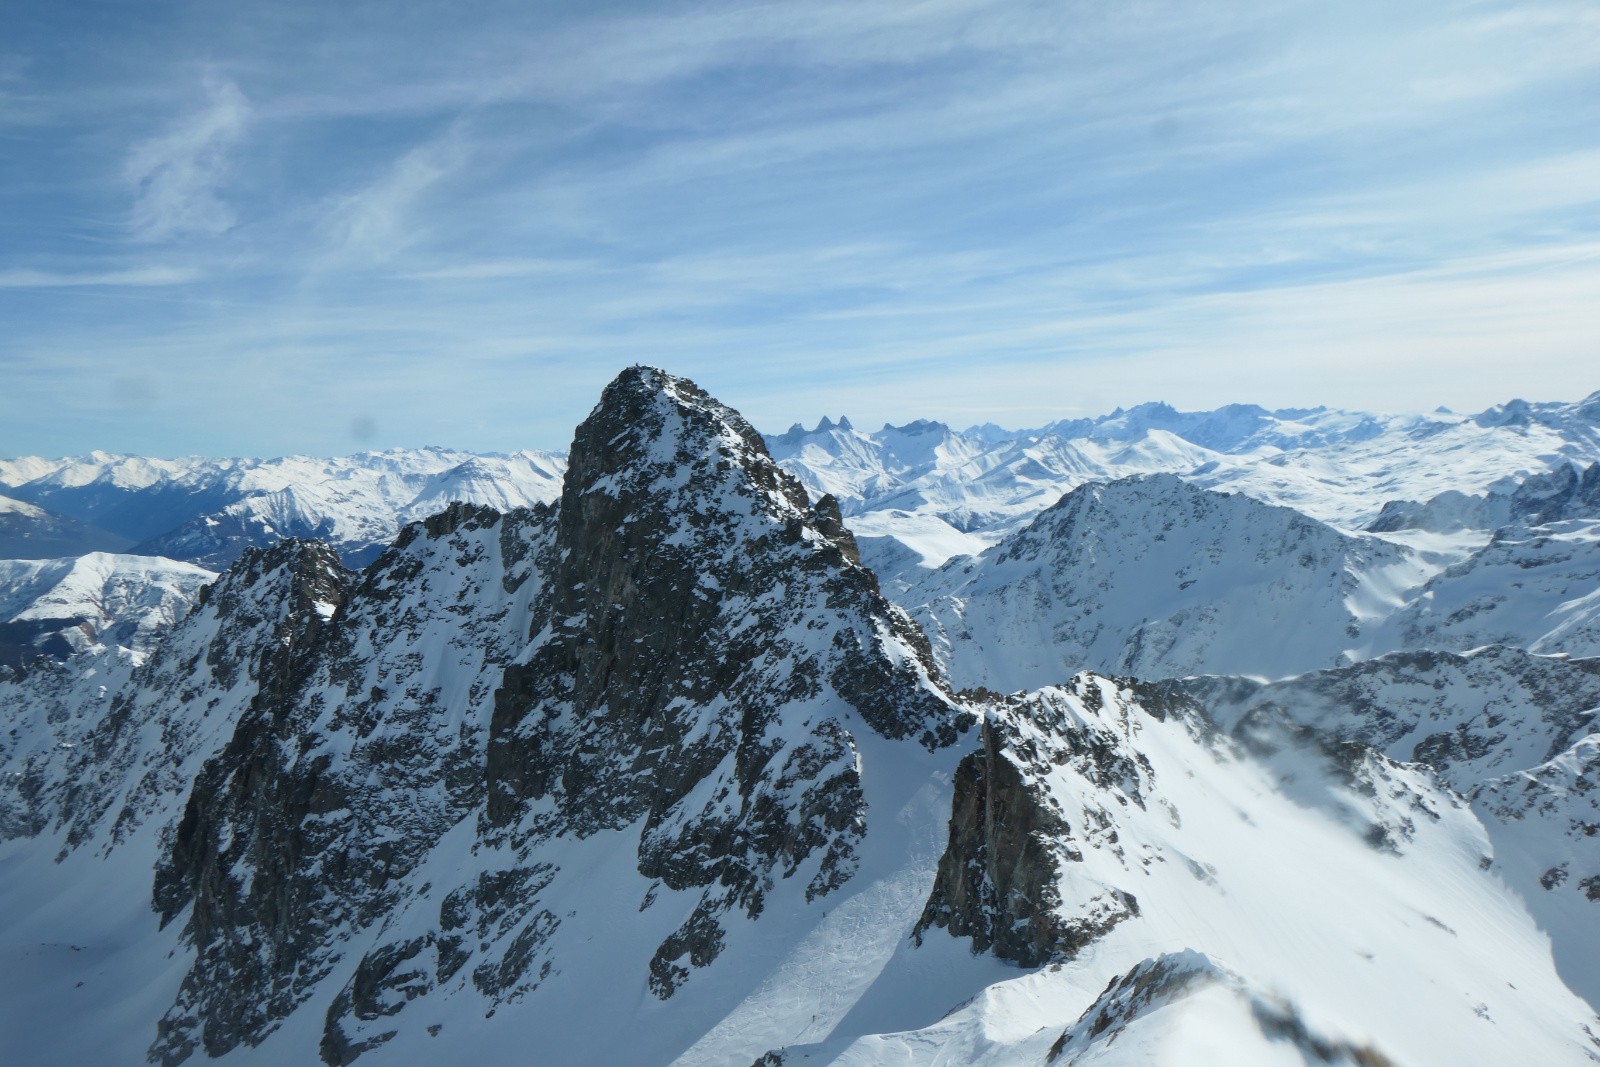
column 265, row 228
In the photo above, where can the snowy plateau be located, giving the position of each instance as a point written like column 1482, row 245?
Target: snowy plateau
column 1238, row 737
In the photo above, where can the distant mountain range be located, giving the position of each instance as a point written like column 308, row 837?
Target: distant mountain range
column 209, row 511
column 929, row 490
column 1435, row 489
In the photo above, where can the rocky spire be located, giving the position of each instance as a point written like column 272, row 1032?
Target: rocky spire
column 685, row 552
column 708, row 634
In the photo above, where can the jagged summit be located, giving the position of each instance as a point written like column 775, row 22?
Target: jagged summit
column 647, row 420
column 1567, row 492
column 661, row 443
column 917, row 428
column 798, row 432
column 920, row 497
column 298, row 577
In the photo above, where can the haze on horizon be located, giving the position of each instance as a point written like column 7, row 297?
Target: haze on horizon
column 294, row 227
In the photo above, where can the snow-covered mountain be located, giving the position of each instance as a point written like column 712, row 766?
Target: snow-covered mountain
column 915, row 484
column 655, row 774
column 1564, row 493
column 208, row 511
column 915, row 495
column 504, row 482
column 63, row 606
column 1154, row 577
column 1537, row 588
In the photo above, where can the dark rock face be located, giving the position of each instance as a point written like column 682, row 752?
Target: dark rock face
column 248, row 811
column 312, row 575
column 126, row 736
column 996, row 880
column 385, row 980
column 1010, row 840
column 44, row 706
column 700, row 596
column 1565, row 493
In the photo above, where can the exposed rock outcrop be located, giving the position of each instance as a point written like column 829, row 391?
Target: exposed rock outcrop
column 1012, row 843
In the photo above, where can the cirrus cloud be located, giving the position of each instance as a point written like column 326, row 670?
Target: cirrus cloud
column 178, row 174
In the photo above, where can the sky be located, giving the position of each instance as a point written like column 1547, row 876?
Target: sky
column 262, row 228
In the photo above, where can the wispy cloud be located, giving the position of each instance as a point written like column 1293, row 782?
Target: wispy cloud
column 177, row 175
column 382, row 218
column 498, row 269
column 138, row 277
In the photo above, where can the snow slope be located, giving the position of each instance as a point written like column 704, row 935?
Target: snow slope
column 1279, row 906
column 1564, row 493
column 1536, row 588
column 1513, row 732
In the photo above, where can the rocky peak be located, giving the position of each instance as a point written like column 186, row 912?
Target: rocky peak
column 687, row 560
column 251, row 629
column 708, row 643
column 1012, row 841
column 291, row 589
column 658, row 443
column 1567, row 492
column 293, row 574
column 917, row 428
column 665, row 741
column 1080, row 512
column 1158, row 509
column 1513, row 413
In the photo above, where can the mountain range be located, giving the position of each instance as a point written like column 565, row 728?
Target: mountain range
column 1244, row 736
